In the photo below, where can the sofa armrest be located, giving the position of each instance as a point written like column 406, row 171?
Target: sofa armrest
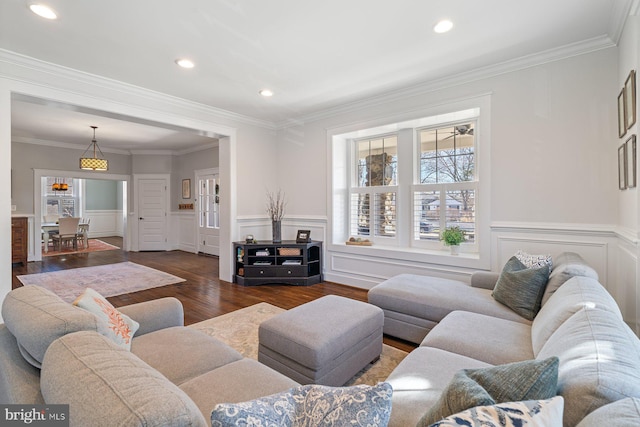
column 484, row 279
column 155, row 314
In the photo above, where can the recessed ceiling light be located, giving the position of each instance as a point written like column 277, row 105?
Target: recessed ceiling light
column 443, row 26
column 43, row 11
column 266, row 92
column 185, row 63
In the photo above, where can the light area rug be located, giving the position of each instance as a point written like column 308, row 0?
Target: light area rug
column 239, row 329
column 108, row 280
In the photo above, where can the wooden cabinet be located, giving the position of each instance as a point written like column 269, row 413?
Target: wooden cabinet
column 19, row 238
column 287, row 262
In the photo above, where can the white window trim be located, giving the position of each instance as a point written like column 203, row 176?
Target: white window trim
column 338, row 182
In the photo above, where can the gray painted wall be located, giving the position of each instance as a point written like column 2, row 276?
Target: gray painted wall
column 184, row 167
column 102, row 195
column 27, row 157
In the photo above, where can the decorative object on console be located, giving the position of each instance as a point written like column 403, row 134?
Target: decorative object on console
column 303, row 236
column 94, row 163
column 275, row 208
column 186, row 188
column 630, row 99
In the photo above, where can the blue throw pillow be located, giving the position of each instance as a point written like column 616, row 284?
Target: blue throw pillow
column 310, row 406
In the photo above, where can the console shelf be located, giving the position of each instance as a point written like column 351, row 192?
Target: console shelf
column 286, row 262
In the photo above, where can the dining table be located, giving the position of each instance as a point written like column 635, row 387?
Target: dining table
column 53, row 226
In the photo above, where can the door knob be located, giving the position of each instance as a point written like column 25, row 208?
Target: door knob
column 141, row 218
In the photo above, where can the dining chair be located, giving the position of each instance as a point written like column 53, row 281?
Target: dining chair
column 83, row 233
column 67, row 232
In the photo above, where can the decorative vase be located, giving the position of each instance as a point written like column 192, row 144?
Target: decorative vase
column 455, row 249
column 276, row 231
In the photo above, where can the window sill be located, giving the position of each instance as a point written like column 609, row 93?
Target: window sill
column 430, row 256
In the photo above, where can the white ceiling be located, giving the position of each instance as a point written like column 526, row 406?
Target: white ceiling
column 315, row 55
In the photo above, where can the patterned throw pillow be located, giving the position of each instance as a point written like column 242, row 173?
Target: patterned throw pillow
column 120, row 327
column 521, row 288
column 530, row 413
column 526, row 380
column 534, row 260
column 311, row 406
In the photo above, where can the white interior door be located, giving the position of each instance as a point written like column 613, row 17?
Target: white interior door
column 152, row 214
column 209, row 213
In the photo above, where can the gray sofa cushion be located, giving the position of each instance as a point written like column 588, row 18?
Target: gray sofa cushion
column 432, row 298
column 576, row 293
column 567, row 265
column 236, row 382
column 599, row 361
column 106, row 385
column 420, row 379
column 182, row 353
column 482, row 337
column 521, row 288
column 19, row 380
column 621, row 413
column 37, row 317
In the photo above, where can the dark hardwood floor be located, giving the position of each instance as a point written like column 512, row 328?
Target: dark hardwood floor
column 203, row 295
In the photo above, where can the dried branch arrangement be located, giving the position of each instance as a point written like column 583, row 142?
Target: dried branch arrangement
column 275, row 205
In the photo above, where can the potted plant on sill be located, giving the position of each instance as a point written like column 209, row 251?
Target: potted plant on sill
column 452, row 237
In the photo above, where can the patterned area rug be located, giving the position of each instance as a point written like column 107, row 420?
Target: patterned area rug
column 239, row 329
column 108, row 280
column 95, row 245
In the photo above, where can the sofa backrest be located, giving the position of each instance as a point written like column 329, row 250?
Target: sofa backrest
column 36, row 317
column 599, row 361
column 565, row 266
column 107, row 385
column 575, row 294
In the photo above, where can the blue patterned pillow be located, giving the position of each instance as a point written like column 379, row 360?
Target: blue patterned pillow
column 309, row 406
column 530, row 413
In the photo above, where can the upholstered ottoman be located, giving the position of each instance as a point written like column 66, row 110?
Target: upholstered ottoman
column 326, row 341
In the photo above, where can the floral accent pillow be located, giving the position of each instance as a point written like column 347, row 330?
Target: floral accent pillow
column 120, row 327
column 535, row 261
column 530, row 413
column 311, row 406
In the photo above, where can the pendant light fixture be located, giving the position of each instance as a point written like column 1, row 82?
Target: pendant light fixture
column 94, row 163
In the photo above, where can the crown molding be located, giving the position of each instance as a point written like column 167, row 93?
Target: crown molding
column 551, row 55
column 619, row 14
column 105, row 83
column 58, row 144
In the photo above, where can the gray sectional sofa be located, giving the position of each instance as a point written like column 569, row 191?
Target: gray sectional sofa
column 51, row 352
column 460, row 326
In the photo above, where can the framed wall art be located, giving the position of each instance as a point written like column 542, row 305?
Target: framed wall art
column 622, row 115
column 630, row 99
column 186, row 188
column 622, row 167
column 631, row 161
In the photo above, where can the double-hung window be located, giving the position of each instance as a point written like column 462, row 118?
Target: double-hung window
column 374, row 190
column 61, row 197
column 445, row 188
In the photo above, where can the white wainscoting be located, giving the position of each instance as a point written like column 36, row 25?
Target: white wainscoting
column 182, row 232
column 105, row 223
